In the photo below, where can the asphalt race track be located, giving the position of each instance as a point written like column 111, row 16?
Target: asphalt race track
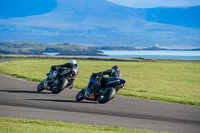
column 19, row 98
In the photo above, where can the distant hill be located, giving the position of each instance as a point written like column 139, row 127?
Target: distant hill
column 32, row 48
column 187, row 16
column 23, row 8
column 99, row 22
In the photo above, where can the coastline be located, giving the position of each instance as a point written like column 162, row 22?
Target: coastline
column 139, row 59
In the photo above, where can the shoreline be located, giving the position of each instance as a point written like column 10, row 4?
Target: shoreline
column 91, row 58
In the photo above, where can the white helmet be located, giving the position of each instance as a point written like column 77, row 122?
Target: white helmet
column 72, row 62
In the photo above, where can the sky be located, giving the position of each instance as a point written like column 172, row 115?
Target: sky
column 156, row 3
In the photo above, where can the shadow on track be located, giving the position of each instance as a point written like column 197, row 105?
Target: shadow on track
column 68, row 101
column 23, row 91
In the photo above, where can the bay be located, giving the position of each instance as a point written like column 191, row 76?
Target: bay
column 153, row 54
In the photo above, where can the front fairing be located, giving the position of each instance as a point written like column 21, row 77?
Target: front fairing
column 50, row 76
column 46, row 79
column 91, row 82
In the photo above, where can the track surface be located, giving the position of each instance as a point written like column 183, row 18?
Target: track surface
column 18, row 98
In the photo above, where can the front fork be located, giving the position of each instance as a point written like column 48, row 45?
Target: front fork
column 45, row 84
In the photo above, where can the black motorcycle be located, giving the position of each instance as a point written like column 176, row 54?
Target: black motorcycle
column 56, row 81
column 107, row 91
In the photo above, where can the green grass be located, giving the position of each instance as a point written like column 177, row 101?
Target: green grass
column 170, row 81
column 13, row 125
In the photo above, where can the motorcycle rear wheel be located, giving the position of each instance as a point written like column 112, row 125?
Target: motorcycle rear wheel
column 108, row 96
column 80, row 95
column 60, row 86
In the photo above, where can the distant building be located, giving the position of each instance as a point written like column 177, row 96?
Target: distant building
column 156, row 45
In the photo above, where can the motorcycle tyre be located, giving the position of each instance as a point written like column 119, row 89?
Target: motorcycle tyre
column 110, row 95
column 40, row 87
column 80, row 95
column 60, row 87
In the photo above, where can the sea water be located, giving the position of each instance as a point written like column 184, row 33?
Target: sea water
column 153, row 54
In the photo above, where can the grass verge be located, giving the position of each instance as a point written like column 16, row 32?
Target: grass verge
column 169, row 81
column 16, row 125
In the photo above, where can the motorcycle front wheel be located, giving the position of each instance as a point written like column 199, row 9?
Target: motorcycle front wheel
column 40, row 87
column 80, row 95
column 110, row 94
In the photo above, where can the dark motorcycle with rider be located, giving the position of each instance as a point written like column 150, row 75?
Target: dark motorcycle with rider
column 60, row 78
column 100, row 88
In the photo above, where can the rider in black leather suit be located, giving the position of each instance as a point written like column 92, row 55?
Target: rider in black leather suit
column 72, row 69
column 112, row 73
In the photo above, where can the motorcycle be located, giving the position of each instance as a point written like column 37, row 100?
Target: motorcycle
column 56, row 81
column 107, row 91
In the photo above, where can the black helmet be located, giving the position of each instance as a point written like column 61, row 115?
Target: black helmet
column 116, row 68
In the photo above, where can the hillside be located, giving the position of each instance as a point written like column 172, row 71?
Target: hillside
column 99, row 22
column 31, row 48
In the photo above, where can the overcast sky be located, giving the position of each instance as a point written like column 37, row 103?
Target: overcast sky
column 156, row 3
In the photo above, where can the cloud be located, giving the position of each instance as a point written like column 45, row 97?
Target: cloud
column 156, row 3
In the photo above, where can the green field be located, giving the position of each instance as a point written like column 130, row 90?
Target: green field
column 170, row 81
column 12, row 125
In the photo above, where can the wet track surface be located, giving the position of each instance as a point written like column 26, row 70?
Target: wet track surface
column 19, row 98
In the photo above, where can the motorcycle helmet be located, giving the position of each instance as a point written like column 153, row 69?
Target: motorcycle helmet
column 72, row 62
column 116, row 68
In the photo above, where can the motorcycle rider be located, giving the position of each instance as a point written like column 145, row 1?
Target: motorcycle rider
column 71, row 71
column 112, row 73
